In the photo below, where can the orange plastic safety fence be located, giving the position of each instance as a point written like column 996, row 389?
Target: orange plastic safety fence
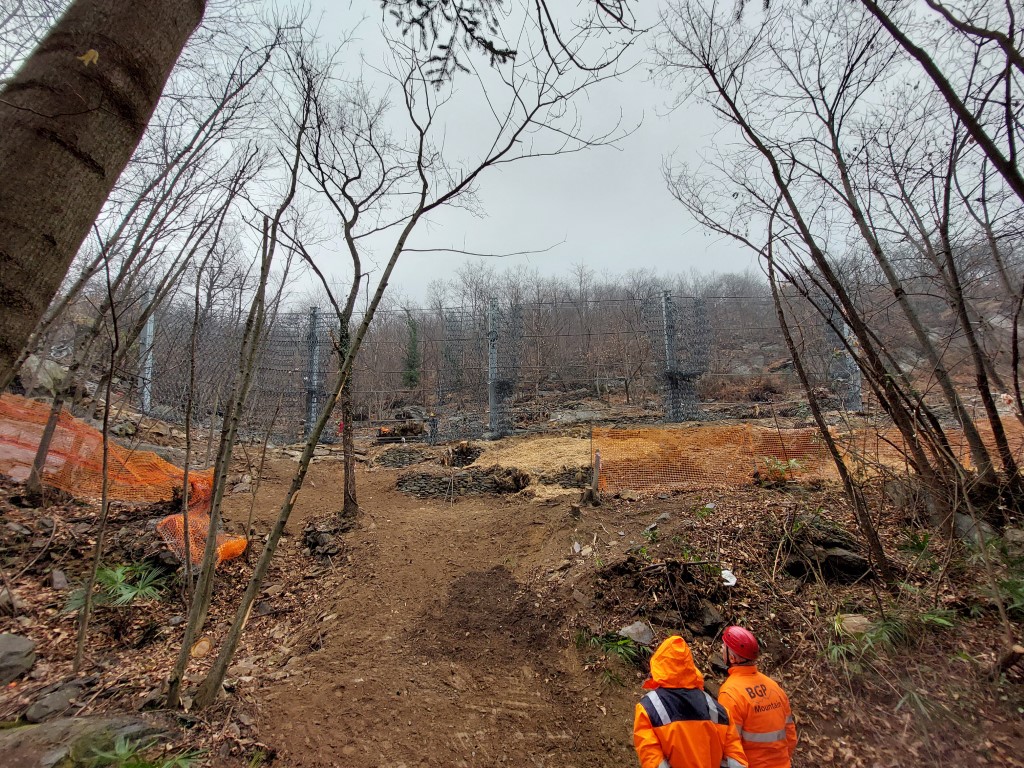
column 172, row 530
column 696, row 456
column 691, row 457
column 74, row 464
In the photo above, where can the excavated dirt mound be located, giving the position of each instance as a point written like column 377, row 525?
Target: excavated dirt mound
column 480, row 609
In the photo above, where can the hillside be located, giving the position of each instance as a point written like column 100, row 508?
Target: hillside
column 480, row 631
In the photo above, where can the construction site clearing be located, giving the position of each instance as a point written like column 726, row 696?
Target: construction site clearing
column 481, row 625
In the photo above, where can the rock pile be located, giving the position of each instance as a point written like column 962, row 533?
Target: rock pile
column 475, row 481
column 567, row 477
column 402, row 456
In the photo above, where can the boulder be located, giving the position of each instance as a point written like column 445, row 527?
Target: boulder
column 10, row 603
column 70, row 741
column 639, row 632
column 854, row 624
column 818, row 547
column 974, row 532
column 17, row 655
column 40, row 376
column 58, row 580
column 711, row 619
column 1014, row 538
column 54, row 703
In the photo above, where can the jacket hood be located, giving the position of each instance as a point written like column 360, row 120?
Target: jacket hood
column 672, row 666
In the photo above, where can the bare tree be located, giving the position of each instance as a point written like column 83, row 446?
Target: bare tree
column 75, row 113
column 532, row 113
column 804, row 88
column 182, row 196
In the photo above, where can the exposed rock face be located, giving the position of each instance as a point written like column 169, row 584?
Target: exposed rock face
column 69, row 741
column 816, row 548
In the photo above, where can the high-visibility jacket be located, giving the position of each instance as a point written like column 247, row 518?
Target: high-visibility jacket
column 677, row 724
column 759, row 709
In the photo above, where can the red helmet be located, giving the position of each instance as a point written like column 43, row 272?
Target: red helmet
column 741, row 642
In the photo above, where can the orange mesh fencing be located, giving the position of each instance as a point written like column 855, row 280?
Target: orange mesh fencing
column 704, row 456
column 694, row 456
column 74, row 465
column 172, row 530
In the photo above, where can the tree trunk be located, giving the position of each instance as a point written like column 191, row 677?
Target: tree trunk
column 34, row 486
column 69, row 121
column 351, row 505
column 853, row 491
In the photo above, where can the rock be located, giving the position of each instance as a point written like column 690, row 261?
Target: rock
column 10, row 603
column 819, row 547
column 69, row 741
column 574, row 417
column 844, row 563
column 273, row 590
column 587, row 551
column 124, row 429
column 40, row 376
column 974, row 532
column 153, row 700
column 711, row 619
column 651, row 527
column 175, row 621
column 53, row 704
column 854, row 624
column 17, row 655
column 58, row 579
column 664, row 517
column 639, row 632
column 19, row 530
column 1014, row 538
column 582, row 599
column 629, row 495
column 242, row 488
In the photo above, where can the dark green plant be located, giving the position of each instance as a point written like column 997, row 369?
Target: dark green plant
column 131, row 754
column 704, row 511
column 897, row 630
column 612, row 645
column 778, row 471
column 120, row 586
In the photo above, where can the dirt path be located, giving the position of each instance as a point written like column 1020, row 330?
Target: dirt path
column 434, row 650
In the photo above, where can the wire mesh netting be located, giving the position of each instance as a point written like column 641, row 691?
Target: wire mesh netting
column 493, row 367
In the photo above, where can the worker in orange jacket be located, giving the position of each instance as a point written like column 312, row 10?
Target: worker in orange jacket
column 757, row 706
column 677, row 724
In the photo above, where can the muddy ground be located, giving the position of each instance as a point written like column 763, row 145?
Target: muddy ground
column 457, row 633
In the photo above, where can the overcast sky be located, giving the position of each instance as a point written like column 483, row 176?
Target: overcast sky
column 607, row 207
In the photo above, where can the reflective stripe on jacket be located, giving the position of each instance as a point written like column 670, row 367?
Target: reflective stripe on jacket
column 759, row 709
column 677, row 724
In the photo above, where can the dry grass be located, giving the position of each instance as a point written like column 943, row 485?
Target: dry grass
column 536, row 454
